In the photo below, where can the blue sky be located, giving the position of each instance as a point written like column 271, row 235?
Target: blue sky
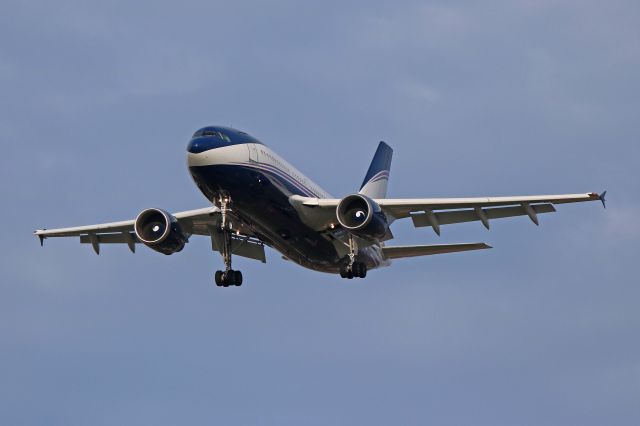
column 514, row 97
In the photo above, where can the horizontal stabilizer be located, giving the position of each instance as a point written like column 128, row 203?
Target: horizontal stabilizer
column 412, row 251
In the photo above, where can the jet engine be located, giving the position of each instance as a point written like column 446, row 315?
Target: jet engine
column 362, row 217
column 160, row 231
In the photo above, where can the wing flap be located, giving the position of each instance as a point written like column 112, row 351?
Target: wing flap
column 435, row 219
column 396, row 252
column 120, row 238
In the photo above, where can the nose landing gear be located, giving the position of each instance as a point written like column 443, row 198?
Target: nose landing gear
column 228, row 277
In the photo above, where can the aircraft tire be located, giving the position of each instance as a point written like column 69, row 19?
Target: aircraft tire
column 237, row 278
column 360, row 269
column 218, row 278
column 228, row 278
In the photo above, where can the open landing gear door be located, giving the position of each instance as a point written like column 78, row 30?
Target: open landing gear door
column 241, row 245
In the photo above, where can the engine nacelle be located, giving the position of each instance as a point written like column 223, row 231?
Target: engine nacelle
column 160, row 231
column 362, row 216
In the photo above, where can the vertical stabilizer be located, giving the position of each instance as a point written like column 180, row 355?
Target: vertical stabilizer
column 375, row 182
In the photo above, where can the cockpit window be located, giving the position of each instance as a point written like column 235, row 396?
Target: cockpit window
column 210, row 132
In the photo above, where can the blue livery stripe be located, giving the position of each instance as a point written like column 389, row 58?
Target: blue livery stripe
column 384, row 174
column 281, row 174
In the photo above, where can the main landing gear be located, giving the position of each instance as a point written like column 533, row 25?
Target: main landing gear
column 351, row 268
column 356, row 270
column 228, row 277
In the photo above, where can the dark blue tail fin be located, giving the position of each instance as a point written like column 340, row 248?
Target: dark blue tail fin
column 375, row 182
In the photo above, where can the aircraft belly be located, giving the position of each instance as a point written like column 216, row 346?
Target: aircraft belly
column 261, row 200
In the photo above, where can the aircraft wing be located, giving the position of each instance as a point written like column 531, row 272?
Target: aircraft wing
column 435, row 212
column 189, row 220
column 193, row 222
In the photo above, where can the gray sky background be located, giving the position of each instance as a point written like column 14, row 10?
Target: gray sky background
column 503, row 98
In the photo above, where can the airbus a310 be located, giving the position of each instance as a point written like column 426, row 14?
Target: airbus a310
column 256, row 198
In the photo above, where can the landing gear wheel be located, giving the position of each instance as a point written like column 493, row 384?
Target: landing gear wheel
column 237, row 278
column 343, row 271
column 229, row 278
column 218, row 278
column 357, row 270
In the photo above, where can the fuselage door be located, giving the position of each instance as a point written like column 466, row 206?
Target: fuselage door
column 253, row 152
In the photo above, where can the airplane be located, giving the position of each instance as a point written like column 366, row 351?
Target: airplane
column 257, row 198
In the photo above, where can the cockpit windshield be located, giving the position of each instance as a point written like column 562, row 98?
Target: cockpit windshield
column 211, row 132
column 227, row 135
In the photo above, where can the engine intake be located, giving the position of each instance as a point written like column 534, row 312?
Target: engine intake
column 160, row 231
column 362, row 216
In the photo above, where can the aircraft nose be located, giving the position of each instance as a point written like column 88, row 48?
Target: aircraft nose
column 201, row 144
column 202, row 151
